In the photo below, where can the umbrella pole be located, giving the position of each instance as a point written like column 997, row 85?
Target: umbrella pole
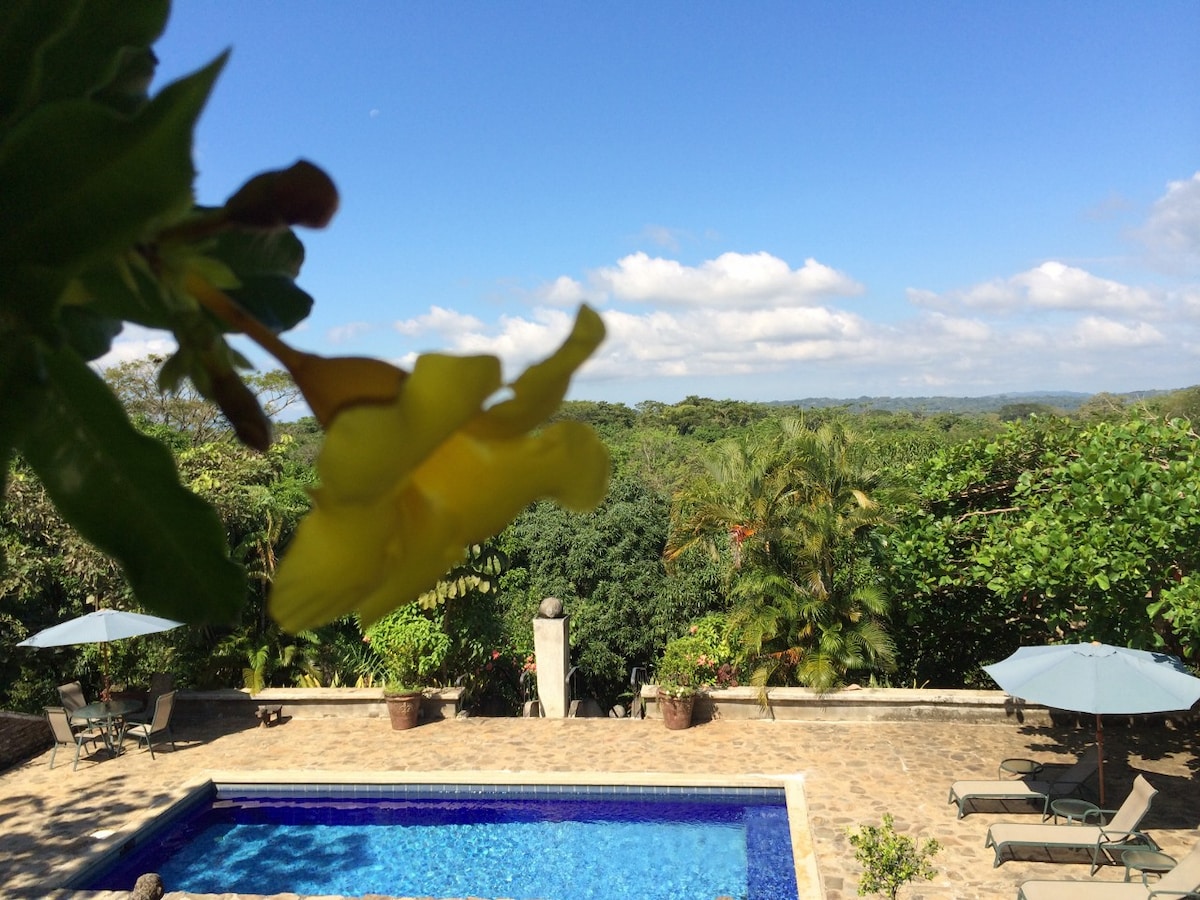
column 1100, row 755
column 106, row 691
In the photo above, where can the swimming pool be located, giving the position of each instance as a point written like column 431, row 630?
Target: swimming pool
column 515, row 841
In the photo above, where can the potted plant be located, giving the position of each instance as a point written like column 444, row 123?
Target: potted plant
column 702, row 658
column 676, row 676
column 411, row 647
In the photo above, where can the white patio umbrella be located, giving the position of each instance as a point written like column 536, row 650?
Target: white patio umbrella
column 1099, row 679
column 100, row 627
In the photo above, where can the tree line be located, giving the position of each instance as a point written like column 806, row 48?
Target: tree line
column 776, row 544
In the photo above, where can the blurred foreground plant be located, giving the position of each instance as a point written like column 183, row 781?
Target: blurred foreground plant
column 99, row 227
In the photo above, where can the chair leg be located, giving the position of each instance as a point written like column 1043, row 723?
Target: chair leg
column 78, row 747
column 53, row 751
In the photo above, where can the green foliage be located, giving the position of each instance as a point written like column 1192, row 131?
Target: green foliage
column 891, row 860
column 98, row 228
column 606, row 567
column 1054, row 530
column 790, row 512
column 412, row 646
column 708, row 655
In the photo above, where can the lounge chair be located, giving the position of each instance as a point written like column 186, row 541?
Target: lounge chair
column 64, row 735
column 1100, row 840
column 1181, row 881
column 1067, row 782
column 160, row 724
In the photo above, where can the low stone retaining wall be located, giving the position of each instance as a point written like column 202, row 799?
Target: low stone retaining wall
column 22, row 736
column 856, row 705
column 308, row 703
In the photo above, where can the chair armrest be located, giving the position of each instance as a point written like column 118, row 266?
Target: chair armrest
column 1126, row 837
column 1169, row 893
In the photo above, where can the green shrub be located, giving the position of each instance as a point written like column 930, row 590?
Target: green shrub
column 705, row 656
column 411, row 645
column 890, row 860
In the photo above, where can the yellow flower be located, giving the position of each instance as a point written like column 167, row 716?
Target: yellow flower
column 407, row 485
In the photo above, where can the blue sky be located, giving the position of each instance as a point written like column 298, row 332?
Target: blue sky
column 764, row 200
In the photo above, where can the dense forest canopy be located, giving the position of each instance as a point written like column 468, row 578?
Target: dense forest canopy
column 777, row 544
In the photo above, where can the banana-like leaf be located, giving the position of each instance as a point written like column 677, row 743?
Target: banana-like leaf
column 121, row 491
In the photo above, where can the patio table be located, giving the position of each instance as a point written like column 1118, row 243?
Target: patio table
column 110, row 716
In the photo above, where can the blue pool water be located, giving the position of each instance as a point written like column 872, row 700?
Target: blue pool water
column 621, row 844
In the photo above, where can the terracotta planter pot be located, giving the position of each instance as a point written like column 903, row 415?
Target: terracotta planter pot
column 404, row 709
column 676, row 711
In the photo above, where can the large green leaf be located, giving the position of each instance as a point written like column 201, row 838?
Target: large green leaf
column 81, row 182
column 89, row 54
column 273, row 300
column 260, row 252
column 20, row 395
column 266, row 264
column 26, row 27
column 121, row 491
column 125, row 292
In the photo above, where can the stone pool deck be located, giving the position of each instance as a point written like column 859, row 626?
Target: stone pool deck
column 853, row 773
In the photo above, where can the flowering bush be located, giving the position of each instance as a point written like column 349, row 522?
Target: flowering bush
column 704, row 657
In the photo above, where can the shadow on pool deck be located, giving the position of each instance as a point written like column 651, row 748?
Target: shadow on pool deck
column 854, row 773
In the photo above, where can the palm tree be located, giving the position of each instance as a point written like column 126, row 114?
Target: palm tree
column 792, row 511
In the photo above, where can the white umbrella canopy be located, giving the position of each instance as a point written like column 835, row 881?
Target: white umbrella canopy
column 99, row 627
column 1100, row 679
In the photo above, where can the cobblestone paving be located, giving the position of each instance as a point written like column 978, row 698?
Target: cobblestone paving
column 854, row 773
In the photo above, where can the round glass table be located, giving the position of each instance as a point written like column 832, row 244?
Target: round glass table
column 1016, row 765
column 1073, row 809
column 1147, row 862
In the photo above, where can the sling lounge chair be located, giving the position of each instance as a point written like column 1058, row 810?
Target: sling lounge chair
column 1182, row 881
column 1102, row 841
column 1041, row 790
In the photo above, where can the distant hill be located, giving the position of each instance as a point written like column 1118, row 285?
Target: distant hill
column 1065, row 401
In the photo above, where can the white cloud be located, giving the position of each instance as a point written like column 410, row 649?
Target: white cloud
column 136, row 342
column 563, row 291
column 662, row 236
column 1052, row 286
column 1097, row 333
column 1172, row 231
column 438, row 321
column 342, row 334
column 751, row 326
column 742, row 280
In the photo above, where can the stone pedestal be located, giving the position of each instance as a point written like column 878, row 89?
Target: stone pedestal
column 552, row 649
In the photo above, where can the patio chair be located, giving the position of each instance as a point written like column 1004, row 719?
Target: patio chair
column 159, row 724
column 1101, row 840
column 1043, row 789
column 71, row 696
column 1182, row 881
column 160, row 683
column 60, row 727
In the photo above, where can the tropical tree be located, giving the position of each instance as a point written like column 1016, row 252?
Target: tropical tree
column 1050, row 532
column 792, row 511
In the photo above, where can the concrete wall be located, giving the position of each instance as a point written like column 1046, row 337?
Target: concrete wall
column 856, row 705
column 309, row 703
